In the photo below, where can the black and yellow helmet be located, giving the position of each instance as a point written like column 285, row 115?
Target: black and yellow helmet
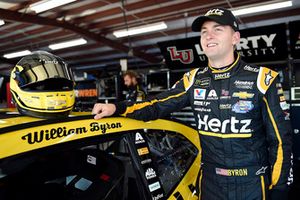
column 42, row 86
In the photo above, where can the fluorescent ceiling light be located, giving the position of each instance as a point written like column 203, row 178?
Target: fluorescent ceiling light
column 256, row 9
column 67, row 44
column 2, row 22
column 48, row 4
column 17, row 54
column 140, row 29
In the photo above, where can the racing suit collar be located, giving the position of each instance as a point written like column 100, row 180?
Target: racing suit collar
column 132, row 87
column 225, row 73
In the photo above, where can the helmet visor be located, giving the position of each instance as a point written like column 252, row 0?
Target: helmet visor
column 38, row 68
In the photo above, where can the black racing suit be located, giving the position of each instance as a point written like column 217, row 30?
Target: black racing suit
column 244, row 128
column 135, row 93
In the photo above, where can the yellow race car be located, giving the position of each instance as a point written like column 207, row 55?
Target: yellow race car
column 79, row 158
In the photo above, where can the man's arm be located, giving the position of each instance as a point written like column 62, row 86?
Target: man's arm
column 158, row 107
column 279, row 137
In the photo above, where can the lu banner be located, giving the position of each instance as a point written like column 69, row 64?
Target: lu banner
column 261, row 44
column 295, row 39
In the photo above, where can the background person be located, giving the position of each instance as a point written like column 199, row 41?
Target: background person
column 135, row 91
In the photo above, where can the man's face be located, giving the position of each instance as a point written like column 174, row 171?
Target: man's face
column 218, row 40
column 128, row 81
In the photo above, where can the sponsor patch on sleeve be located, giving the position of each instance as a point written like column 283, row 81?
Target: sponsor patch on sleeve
column 265, row 78
column 188, row 78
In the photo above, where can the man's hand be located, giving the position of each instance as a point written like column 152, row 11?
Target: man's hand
column 103, row 110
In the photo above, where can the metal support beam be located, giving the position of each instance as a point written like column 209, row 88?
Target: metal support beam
column 34, row 19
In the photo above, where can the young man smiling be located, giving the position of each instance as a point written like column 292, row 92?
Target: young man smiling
column 240, row 112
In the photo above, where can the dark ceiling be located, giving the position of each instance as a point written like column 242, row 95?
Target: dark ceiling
column 95, row 20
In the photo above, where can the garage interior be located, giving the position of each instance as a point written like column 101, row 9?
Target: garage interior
column 95, row 21
column 100, row 56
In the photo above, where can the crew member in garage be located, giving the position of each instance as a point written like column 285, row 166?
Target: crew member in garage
column 241, row 116
column 135, row 91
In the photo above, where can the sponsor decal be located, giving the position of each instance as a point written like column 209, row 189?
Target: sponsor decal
column 225, row 94
column 44, row 61
column 157, row 197
column 216, row 125
column 243, row 95
column 225, row 106
column 201, row 103
column 29, row 101
column 225, row 97
column 199, row 94
column 212, row 95
column 91, row 159
column 262, row 170
column 184, row 56
column 86, row 93
column 278, row 85
column 265, row 78
column 146, row 161
column 251, row 69
column 154, row 186
column 202, row 71
column 222, row 76
column 150, row 173
column 188, row 76
column 203, row 109
column 286, row 115
column 284, row 105
column 243, row 84
column 268, row 78
column 54, row 102
column 291, row 174
column 204, row 82
column 61, row 132
column 143, row 151
column 242, row 106
column 281, row 98
column 214, row 12
column 138, row 138
column 232, row 172
column 280, row 91
column 249, row 46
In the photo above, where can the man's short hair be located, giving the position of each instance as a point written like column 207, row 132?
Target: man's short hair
column 131, row 74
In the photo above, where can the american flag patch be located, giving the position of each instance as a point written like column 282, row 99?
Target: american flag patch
column 232, row 172
column 221, row 171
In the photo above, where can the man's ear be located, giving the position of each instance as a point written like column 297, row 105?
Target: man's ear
column 134, row 80
column 236, row 38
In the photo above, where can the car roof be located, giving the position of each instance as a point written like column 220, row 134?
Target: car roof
column 19, row 134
